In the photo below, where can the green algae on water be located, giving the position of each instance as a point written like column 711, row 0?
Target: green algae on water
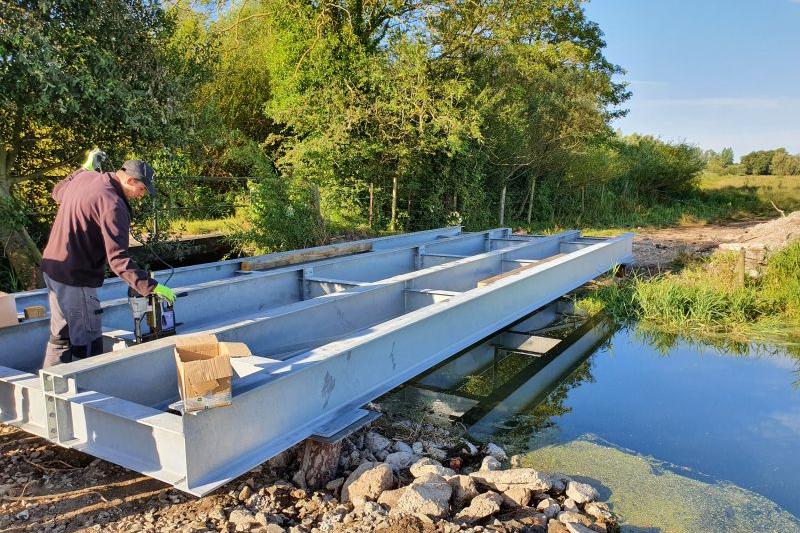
column 652, row 496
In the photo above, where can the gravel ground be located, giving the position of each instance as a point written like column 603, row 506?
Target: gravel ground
column 47, row 488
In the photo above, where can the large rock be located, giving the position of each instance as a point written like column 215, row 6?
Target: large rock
column 430, row 498
column 376, row 442
column 242, row 519
column 389, row 498
column 367, row 482
column 398, row 460
column 581, row 492
column 429, row 466
column 554, row 526
column 549, row 507
column 579, row 528
column 469, row 448
column 517, row 497
column 496, row 451
column 568, row 517
column 570, row 505
column 464, row 489
column 480, row 507
column 600, row 511
column 435, row 452
column 335, row 484
column 502, row 480
column 490, row 463
column 401, row 446
column 559, row 482
column 528, row 516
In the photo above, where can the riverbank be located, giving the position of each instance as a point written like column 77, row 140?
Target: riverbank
column 398, row 476
column 742, row 284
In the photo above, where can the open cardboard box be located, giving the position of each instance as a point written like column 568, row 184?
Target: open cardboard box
column 8, row 310
column 204, row 370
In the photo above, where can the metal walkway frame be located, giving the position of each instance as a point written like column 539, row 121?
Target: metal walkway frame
column 236, row 296
column 357, row 330
column 245, row 292
column 440, row 387
column 114, row 288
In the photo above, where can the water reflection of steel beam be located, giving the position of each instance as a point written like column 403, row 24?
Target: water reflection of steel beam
column 523, row 343
column 450, row 373
column 441, row 402
column 532, row 385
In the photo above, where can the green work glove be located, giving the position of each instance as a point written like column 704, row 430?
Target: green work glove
column 165, row 292
column 94, row 159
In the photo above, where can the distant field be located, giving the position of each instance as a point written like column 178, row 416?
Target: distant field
column 784, row 191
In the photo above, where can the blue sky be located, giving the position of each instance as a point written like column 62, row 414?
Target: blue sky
column 711, row 72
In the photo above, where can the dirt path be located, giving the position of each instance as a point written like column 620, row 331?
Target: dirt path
column 659, row 248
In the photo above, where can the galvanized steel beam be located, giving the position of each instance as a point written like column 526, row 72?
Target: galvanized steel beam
column 115, row 288
column 277, row 404
column 22, row 346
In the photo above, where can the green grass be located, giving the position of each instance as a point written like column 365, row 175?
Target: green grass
column 705, row 300
column 226, row 226
column 609, row 212
column 784, row 191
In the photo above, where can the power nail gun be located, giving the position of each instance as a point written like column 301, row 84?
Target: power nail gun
column 157, row 312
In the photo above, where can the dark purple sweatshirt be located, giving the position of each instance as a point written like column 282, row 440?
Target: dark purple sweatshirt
column 93, row 224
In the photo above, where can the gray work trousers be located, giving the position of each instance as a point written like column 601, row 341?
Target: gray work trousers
column 75, row 324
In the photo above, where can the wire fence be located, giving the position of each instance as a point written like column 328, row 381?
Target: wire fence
column 178, row 198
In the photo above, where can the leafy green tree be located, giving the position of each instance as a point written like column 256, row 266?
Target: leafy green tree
column 74, row 75
column 784, row 164
column 543, row 86
column 758, row 162
column 718, row 163
column 654, row 168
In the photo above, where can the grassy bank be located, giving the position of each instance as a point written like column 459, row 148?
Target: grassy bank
column 704, row 299
column 784, row 191
column 603, row 211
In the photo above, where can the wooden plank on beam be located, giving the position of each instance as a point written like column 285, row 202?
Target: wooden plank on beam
column 523, row 268
column 304, row 256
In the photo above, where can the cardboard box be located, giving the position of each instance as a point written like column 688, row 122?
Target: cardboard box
column 8, row 310
column 204, row 370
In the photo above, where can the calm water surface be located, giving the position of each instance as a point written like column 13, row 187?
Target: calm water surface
column 679, row 436
column 730, row 417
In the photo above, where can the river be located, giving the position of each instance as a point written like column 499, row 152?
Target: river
column 679, row 436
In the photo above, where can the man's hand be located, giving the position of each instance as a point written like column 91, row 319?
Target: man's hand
column 165, row 292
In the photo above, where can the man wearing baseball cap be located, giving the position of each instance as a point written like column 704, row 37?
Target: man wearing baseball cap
column 92, row 227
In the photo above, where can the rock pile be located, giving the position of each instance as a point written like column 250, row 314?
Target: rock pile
column 515, row 499
column 435, row 484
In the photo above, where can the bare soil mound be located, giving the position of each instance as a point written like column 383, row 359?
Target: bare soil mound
column 659, row 248
column 772, row 235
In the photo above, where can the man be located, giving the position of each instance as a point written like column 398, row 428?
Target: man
column 92, row 226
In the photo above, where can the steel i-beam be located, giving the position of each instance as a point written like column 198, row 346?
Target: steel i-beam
column 344, row 350
column 22, row 346
column 234, row 298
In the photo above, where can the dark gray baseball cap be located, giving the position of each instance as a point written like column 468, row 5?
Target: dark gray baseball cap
column 141, row 171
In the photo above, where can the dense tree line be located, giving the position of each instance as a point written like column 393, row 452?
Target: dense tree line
column 778, row 162
column 397, row 114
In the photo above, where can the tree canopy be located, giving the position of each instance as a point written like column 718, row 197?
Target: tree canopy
column 75, row 75
column 344, row 114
